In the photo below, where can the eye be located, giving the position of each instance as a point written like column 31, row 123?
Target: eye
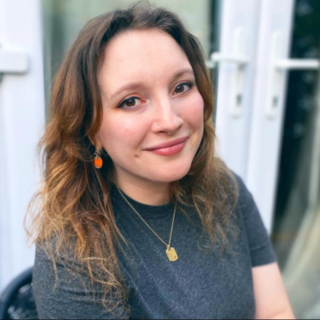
column 180, row 88
column 129, row 103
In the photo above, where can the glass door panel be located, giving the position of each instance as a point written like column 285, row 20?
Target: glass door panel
column 297, row 209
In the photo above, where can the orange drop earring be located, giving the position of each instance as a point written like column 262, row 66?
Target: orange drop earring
column 97, row 160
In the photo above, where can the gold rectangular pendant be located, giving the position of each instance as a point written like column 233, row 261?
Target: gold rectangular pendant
column 172, row 254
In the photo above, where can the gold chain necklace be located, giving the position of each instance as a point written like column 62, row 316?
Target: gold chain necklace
column 171, row 252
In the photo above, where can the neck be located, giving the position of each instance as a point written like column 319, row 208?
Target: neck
column 146, row 192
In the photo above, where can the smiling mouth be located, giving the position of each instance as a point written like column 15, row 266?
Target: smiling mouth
column 167, row 144
column 170, row 148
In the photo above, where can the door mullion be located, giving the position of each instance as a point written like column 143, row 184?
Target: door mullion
column 269, row 93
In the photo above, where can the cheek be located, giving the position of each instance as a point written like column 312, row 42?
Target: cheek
column 118, row 134
column 193, row 113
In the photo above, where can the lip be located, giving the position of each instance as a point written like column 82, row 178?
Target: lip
column 167, row 144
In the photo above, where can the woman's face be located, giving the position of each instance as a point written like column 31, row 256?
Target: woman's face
column 149, row 99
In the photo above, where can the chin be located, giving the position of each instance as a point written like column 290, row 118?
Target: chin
column 172, row 173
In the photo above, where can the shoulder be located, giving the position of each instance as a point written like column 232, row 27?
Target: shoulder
column 62, row 292
column 56, row 248
column 259, row 243
column 240, row 185
column 55, row 264
column 245, row 201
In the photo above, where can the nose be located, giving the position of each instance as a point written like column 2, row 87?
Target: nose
column 166, row 117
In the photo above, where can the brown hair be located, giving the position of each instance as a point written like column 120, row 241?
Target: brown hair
column 75, row 199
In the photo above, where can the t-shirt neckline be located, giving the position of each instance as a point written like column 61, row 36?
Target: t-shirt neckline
column 145, row 210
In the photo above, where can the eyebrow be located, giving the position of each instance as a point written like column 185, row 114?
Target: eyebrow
column 138, row 85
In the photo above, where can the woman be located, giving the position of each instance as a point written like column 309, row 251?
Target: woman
column 138, row 218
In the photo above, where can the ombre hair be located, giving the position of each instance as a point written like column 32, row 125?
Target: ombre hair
column 72, row 215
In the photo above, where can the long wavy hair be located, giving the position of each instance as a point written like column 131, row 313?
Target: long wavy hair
column 73, row 206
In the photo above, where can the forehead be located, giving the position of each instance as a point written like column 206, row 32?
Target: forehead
column 144, row 55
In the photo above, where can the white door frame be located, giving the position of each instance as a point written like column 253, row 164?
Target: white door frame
column 239, row 28
column 22, row 118
column 250, row 136
column 268, row 104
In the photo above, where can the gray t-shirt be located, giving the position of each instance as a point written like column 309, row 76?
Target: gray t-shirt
column 199, row 285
